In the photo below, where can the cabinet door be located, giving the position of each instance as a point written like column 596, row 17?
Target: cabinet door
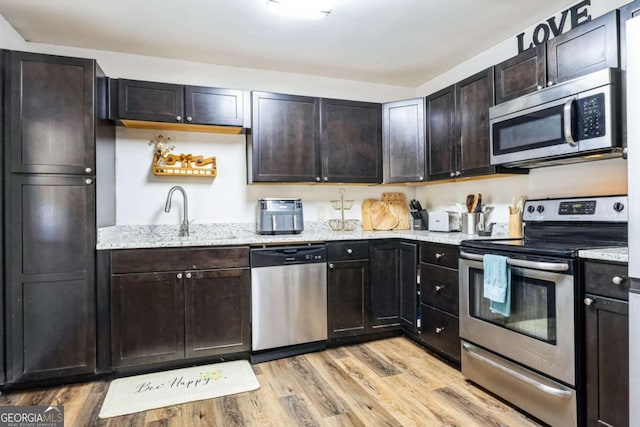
column 285, row 138
column 589, row 47
column 50, row 261
column 147, row 318
column 150, row 101
column 408, row 260
column 403, row 141
column 385, row 284
column 522, row 74
column 351, row 141
column 474, row 96
column 348, row 298
column 607, row 361
column 441, row 137
column 213, row 106
column 217, row 311
column 50, row 114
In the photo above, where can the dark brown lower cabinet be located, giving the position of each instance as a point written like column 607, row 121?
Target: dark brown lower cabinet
column 50, row 291
column 217, row 312
column 606, row 349
column 393, row 284
column 348, row 298
column 147, row 318
column 179, row 314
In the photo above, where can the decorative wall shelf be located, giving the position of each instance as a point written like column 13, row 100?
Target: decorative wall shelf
column 190, row 165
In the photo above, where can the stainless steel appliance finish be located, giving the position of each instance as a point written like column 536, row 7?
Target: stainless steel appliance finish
column 288, row 296
column 279, row 216
column 571, row 121
column 633, row 141
column 536, row 336
column 530, row 356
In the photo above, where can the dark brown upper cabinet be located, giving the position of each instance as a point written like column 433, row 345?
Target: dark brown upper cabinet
column 170, row 103
column 587, row 48
column 522, row 74
column 351, row 141
column 284, row 145
column 305, row 139
column 50, row 114
column 458, row 129
column 403, row 141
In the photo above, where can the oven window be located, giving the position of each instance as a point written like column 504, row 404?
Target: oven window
column 534, row 130
column 533, row 306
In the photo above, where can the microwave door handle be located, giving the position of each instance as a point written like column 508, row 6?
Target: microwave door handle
column 568, row 122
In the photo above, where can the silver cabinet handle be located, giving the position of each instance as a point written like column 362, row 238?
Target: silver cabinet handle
column 550, row 83
column 189, row 119
column 88, row 181
column 439, row 288
column 568, row 121
column 589, row 301
column 452, row 174
column 547, row 389
column 439, row 255
column 178, row 118
column 421, row 178
column 326, row 178
column 88, row 170
column 458, row 173
column 618, row 280
column 349, row 251
column 439, row 330
column 331, row 266
column 188, row 275
column 179, row 275
column 318, row 179
column 539, row 87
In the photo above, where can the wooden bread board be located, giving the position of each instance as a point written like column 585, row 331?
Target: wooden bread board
column 401, row 211
column 381, row 217
column 366, row 214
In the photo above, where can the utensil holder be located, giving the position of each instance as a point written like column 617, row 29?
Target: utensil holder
column 515, row 225
column 470, row 222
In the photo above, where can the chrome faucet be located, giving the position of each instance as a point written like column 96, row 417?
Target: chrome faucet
column 184, row 227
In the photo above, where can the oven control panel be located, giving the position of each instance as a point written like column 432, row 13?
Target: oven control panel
column 606, row 208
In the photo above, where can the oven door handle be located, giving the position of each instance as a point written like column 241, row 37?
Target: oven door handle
column 547, row 389
column 536, row 265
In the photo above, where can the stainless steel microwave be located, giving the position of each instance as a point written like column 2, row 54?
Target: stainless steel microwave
column 564, row 123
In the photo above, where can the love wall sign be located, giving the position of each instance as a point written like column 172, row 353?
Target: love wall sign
column 554, row 26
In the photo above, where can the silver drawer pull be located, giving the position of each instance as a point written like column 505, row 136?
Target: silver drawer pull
column 439, row 255
column 188, row 275
column 439, row 330
column 618, row 280
column 179, row 275
column 439, row 288
column 589, row 301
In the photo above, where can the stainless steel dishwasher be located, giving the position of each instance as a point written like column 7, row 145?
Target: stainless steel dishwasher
column 288, row 298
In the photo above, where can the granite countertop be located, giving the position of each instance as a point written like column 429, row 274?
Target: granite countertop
column 619, row 254
column 159, row 236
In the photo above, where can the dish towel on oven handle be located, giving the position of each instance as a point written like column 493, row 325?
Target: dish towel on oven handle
column 497, row 284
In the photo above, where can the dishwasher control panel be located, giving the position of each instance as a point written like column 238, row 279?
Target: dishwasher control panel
column 288, row 255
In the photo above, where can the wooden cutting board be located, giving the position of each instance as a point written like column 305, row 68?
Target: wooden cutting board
column 381, row 217
column 366, row 214
column 401, row 211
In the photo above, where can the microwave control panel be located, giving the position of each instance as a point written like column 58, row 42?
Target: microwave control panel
column 591, row 117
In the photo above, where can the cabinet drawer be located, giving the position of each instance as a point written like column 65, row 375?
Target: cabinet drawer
column 445, row 255
column 149, row 260
column 439, row 288
column 599, row 279
column 440, row 332
column 345, row 251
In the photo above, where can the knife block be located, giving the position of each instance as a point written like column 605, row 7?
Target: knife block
column 420, row 219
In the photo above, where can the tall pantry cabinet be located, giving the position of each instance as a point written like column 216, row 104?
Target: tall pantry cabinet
column 55, row 117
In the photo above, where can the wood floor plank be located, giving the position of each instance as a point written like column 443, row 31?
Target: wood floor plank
column 391, row 382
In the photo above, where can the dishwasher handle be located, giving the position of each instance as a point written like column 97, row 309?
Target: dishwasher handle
column 287, row 255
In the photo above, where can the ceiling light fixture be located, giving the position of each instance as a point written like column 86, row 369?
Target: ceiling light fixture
column 307, row 9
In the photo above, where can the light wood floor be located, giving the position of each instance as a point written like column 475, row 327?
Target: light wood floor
column 389, row 382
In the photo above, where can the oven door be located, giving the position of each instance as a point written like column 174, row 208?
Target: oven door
column 539, row 332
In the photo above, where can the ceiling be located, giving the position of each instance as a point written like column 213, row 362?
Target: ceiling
column 396, row 42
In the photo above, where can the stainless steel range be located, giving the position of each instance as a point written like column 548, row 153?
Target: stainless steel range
column 529, row 354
